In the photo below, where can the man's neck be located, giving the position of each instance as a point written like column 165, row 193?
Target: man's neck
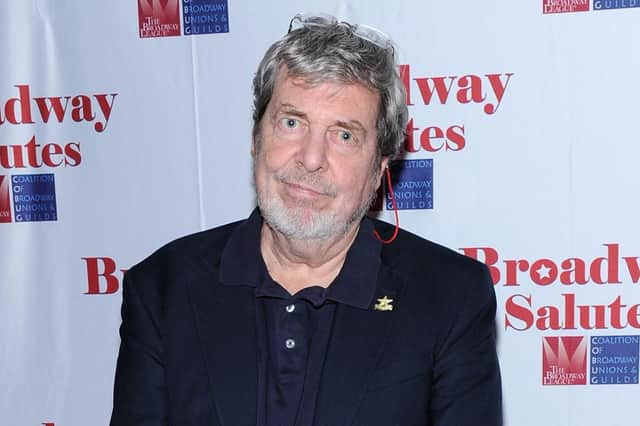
column 298, row 264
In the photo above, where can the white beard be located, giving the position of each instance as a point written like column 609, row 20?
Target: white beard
column 302, row 222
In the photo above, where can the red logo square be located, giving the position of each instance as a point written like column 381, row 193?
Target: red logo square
column 5, row 200
column 564, row 6
column 158, row 18
column 564, row 360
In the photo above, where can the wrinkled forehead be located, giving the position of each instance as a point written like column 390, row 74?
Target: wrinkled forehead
column 312, row 79
column 288, row 85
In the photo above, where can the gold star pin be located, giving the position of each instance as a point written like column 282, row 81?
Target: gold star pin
column 384, row 304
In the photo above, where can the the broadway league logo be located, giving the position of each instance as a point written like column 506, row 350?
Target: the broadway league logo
column 158, row 18
column 564, row 360
column 615, row 4
column 614, row 360
column 412, row 184
column 205, row 16
column 5, row 200
column 34, row 198
column 564, row 6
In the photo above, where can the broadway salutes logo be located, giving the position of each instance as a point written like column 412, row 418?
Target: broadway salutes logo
column 569, row 276
column 564, row 360
column 564, row 6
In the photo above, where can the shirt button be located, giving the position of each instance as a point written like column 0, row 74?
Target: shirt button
column 290, row 343
column 290, row 308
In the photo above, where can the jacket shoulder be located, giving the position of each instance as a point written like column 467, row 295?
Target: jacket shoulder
column 411, row 255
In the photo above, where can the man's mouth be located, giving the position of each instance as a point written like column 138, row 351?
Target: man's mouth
column 307, row 187
column 305, row 190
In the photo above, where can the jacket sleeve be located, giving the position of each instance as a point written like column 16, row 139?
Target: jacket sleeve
column 467, row 389
column 140, row 395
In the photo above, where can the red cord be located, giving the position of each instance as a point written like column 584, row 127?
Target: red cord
column 395, row 212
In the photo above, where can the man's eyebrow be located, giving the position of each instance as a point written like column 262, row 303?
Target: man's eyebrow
column 289, row 109
column 353, row 125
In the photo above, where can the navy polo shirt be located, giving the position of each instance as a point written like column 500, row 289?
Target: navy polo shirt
column 294, row 331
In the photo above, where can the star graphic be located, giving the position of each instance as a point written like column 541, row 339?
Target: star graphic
column 543, row 271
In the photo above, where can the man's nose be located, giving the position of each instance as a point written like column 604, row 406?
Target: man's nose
column 313, row 151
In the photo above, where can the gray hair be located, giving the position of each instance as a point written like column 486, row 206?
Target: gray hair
column 331, row 52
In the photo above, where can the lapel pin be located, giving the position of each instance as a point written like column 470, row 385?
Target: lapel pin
column 384, row 304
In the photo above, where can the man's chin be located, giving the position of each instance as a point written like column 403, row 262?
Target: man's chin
column 302, row 224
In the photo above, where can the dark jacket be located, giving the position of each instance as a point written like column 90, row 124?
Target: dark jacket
column 189, row 353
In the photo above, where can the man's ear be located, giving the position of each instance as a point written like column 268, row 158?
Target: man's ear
column 384, row 163
column 254, row 144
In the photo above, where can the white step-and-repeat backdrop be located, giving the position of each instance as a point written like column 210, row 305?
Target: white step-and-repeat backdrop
column 125, row 124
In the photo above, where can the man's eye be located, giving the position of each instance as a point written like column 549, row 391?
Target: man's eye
column 345, row 136
column 289, row 123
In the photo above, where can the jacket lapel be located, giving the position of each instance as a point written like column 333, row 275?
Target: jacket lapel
column 226, row 322
column 357, row 342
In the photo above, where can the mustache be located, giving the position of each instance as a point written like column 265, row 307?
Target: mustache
column 313, row 181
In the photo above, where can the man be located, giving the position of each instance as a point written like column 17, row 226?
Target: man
column 300, row 315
